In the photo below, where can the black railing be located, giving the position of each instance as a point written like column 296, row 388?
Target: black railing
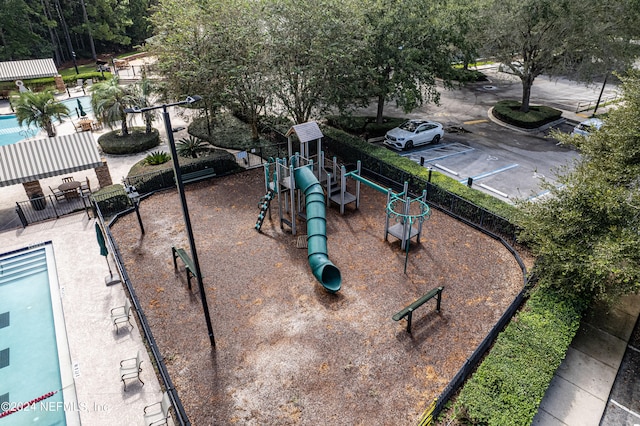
column 179, row 410
column 48, row 207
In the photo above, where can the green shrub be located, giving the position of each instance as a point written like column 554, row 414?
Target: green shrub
column 137, row 141
column 466, row 75
column 191, row 147
column 157, row 157
column 111, row 199
column 148, row 178
column 509, row 384
column 509, row 112
column 364, row 126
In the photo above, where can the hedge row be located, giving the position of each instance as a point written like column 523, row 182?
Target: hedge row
column 39, row 84
column 509, row 384
column 509, row 112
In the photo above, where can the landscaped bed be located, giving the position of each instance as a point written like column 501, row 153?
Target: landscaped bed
column 287, row 351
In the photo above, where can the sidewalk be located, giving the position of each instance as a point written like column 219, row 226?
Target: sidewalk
column 580, row 390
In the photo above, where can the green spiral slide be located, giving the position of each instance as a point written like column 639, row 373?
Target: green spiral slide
column 324, row 271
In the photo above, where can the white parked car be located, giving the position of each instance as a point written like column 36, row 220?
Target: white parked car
column 413, row 133
column 587, row 126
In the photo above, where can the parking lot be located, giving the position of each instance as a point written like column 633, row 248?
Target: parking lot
column 509, row 172
column 507, row 163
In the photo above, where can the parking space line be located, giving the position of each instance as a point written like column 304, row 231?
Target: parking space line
column 446, row 170
column 488, row 188
column 449, row 155
column 491, row 173
column 475, row 122
column 540, row 195
column 625, row 408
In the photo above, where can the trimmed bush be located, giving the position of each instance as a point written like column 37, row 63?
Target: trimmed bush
column 137, row 141
column 510, row 383
column 364, row 126
column 509, row 112
column 111, row 199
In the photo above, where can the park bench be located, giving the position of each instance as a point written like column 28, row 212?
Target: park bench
column 198, row 175
column 408, row 311
column 189, row 266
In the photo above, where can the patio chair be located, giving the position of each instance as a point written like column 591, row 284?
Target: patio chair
column 79, row 84
column 67, row 179
column 85, row 186
column 58, row 194
column 157, row 413
column 121, row 314
column 130, row 369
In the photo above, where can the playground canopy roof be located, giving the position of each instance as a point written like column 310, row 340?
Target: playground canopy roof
column 41, row 158
column 306, row 132
column 33, row 68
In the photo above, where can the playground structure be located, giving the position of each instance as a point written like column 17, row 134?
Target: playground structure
column 297, row 182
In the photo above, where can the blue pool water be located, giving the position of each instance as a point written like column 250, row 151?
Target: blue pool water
column 29, row 360
column 11, row 132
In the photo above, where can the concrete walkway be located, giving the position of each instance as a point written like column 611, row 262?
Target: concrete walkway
column 580, row 390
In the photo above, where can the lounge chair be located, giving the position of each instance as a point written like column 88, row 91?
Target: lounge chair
column 157, row 413
column 130, row 369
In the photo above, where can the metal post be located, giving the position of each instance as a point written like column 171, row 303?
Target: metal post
column 187, row 221
column 136, row 204
column 606, row 76
column 75, row 64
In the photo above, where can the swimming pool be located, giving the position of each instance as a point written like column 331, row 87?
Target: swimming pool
column 36, row 379
column 11, row 132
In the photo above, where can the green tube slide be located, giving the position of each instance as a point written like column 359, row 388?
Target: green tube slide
column 324, row 271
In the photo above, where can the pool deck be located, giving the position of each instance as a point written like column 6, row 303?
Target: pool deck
column 96, row 349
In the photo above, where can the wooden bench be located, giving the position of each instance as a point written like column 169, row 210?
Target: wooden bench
column 189, row 266
column 198, row 175
column 408, row 311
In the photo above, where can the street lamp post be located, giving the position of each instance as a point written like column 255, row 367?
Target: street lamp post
column 183, row 200
column 75, row 64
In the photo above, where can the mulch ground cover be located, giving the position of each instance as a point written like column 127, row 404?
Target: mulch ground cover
column 287, row 351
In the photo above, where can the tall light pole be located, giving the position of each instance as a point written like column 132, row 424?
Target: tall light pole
column 183, row 200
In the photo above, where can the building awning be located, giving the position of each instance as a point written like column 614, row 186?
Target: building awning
column 33, row 68
column 36, row 159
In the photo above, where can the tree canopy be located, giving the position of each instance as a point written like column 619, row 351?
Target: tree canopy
column 581, row 39
column 32, row 29
column 585, row 233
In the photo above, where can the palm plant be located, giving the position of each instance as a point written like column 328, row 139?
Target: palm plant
column 39, row 109
column 143, row 91
column 109, row 100
column 191, row 147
